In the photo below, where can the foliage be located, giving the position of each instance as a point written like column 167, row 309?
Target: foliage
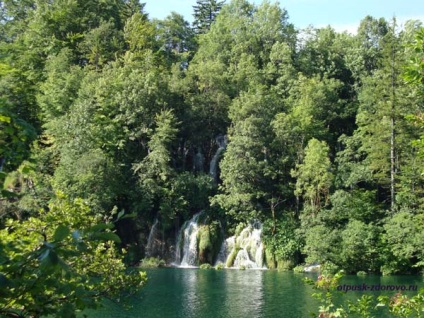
column 219, row 266
column 54, row 264
column 325, row 287
column 210, row 239
column 399, row 305
column 324, row 129
column 314, row 176
column 205, row 12
column 404, row 306
column 152, row 262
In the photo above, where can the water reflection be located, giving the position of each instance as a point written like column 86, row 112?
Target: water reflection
column 244, row 292
column 192, row 293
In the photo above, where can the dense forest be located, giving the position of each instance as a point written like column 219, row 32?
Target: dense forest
column 111, row 120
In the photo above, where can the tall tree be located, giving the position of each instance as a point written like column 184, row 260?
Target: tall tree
column 205, row 12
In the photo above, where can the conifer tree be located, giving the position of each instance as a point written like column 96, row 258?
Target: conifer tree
column 205, row 12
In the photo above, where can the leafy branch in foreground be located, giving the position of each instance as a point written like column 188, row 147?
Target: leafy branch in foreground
column 63, row 261
column 398, row 305
column 325, row 287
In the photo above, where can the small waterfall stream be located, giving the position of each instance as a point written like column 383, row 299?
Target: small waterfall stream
column 153, row 247
column 222, row 142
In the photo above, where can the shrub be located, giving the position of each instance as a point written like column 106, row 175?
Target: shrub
column 206, row 266
column 299, row 269
column 219, row 266
column 152, row 262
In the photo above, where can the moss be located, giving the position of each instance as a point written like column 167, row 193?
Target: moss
column 152, row 262
column 361, row 273
column 210, row 239
column 14, row 181
column 239, row 228
column 219, row 266
column 299, row 269
column 270, row 259
column 205, row 244
column 232, row 256
column 242, row 267
column 284, row 265
column 206, row 266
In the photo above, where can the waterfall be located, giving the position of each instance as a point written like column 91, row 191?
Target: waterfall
column 222, row 142
column 244, row 250
column 153, row 246
column 198, row 161
column 187, row 243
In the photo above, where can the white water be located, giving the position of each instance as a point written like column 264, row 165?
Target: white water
column 250, row 252
column 187, row 243
column 152, row 243
column 248, row 246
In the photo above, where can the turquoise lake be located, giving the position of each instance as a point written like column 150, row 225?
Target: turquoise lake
column 189, row 293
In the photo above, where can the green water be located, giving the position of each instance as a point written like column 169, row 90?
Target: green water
column 189, row 293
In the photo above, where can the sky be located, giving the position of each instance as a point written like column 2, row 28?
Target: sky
column 343, row 15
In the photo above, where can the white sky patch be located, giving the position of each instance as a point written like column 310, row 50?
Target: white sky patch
column 402, row 19
column 351, row 28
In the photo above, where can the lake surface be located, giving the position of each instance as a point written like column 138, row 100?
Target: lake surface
column 190, row 293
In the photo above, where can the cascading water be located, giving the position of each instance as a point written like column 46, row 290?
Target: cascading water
column 187, row 243
column 153, row 247
column 222, row 142
column 245, row 250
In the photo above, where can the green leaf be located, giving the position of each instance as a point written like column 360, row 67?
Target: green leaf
column 129, row 216
column 44, row 255
column 53, row 258
column 8, row 194
column 109, row 236
column 5, row 119
column 4, row 282
column 120, row 214
column 61, row 233
column 100, row 227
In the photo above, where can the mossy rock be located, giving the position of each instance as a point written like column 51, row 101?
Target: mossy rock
column 219, row 266
column 206, row 266
column 239, row 228
column 270, row 259
column 152, row 262
column 299, row 269
column 361, row 273
column 210, row 239
column 242, row 267
column 284, row 265
column 231, row 258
